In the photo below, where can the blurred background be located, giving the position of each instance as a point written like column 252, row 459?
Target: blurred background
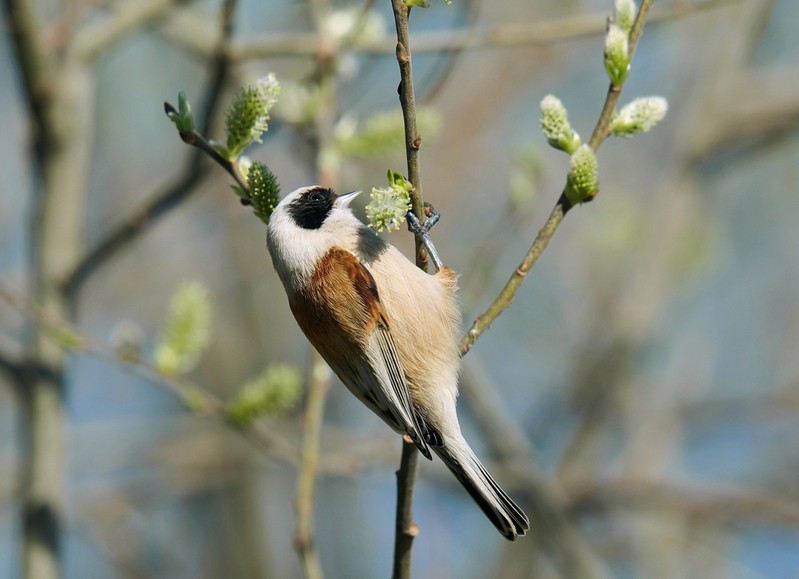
column 640, row 398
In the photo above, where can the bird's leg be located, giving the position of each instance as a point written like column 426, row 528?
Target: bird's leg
column 423, row 231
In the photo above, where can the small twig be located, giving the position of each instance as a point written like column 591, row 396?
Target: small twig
column 318, row 385
column 727, row 506
column 550, row 522
column 600, row 133
column 501, row 36
column 128, row 17
column 35, row 69
column 197, row 399
column 413, row 140
column 405, row 530
column 186, row 183
column 133, row 226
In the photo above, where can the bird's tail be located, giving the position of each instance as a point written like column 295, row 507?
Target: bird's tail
column 506, row 515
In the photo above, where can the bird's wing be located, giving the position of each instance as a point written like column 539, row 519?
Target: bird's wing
column 339, row 310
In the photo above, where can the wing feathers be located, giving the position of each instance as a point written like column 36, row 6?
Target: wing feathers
column 340, row 313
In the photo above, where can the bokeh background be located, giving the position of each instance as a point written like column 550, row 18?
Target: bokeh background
column 640, row 397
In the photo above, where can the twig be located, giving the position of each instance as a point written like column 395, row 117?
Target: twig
column 37, row 81
column 405, row 530
column 133, row 226
column 182, row 188
column 128, row 17
column 501, row 36
column 600, row 133
column 318, row 385
column 413, row 141
column 729, row 506
column 197, row 399
column 551, row 523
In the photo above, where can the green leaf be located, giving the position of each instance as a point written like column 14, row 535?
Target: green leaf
column 182, row 117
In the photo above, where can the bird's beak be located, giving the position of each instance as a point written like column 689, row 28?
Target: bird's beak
column 346, row 199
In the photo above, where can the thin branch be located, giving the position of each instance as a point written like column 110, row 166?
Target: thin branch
column 500, row 36
column 127, row 17
column 542, row 239
column 405, row 530
column 413, row 141
column 133, row 226
column 728, row 506
column 182, row 188
column 197, row 399
column 37, row 82
column 551, row 523
column 11, row 367
column 319, row 383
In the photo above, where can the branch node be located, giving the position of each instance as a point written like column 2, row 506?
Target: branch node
column 402, row 54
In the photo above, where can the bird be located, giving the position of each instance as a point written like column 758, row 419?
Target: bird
column 387, row 329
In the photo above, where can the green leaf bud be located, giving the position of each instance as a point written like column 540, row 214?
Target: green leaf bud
column 624, row 14
column 275, row 391
column 555, row 125
column 617, row 54
column 639, row 116
column 187, row 331
column 582, row 184
column 182, row 117
column 248, row 115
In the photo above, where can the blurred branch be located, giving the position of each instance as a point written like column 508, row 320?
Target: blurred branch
column 318, row 385
column 11, row 367
column 550, row 521
column 126, row 17
column 134, row 225
column 600, row 133
column 37, row 82
column 183, row 187
column 758, row 105
column 728, row 506
column 58, row 96
column 197, row 399
column 502, row 36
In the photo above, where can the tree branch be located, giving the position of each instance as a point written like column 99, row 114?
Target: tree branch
column 182, row 188
column 542, row 239
column 65, row 336
column 319, row 382
column 500, row 36
column 127, row 17
column 406, row 529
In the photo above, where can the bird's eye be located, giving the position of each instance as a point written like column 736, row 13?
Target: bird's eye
column 316, row 197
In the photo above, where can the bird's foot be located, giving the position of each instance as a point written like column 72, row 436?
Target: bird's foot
column 423, row 231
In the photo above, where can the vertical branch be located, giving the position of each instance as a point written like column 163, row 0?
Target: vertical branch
column 407, row 97
column 60, row 122
column 406, row 530
column 599, row 134
column 319, row 381
column 185, row 184
column 318, row 385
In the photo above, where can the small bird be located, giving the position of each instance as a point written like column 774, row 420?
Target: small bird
column 387, row 329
